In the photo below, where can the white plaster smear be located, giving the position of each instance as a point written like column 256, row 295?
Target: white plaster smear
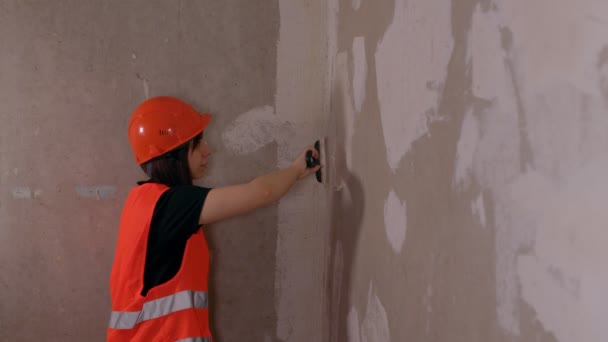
column 251, row 130
column 97, row 191
column 26, row 193
column 336, row 290
column 571, row 34
column 565, row 278
column 467, row 144
column 359, row 72
column 555, row 209
column 302, row 101
column 479, row 210
column 406, row 61
column 352, row 326
column 348, row 111
column 395, row 221
column 515, row 218
column 429, row 308
column 486, row 54
column 495, row 159
column 374, row 327
column 22, row 193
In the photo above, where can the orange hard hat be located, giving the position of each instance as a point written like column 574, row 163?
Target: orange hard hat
column 160, row 124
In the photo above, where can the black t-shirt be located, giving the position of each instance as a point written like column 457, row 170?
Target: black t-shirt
column 175, row 218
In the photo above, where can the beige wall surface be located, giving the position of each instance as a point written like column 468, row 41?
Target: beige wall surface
column 470, row 142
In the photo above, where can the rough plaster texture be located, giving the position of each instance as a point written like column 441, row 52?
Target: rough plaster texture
column 468, row 198
column 302, row 99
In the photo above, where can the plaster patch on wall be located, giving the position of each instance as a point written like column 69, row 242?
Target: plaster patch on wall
column 479, row 210
column 567, row 129
column 251, row 130
column 495, row 166
column 336, row 292
column 96, row 191
column 374, row 327
column 296, row 56
column 356, row 4
column 307, row 41
column 359, row 72
column 561, row 105
column 22, row 192
column 529, row 214
column 495, row 160
column 349, row 112
column 572, row 37
column 403, row 57
column 467, row 144
column 395, row 221
column 352, row 326
column 516, row 218
column 333, row 9
column 487, row 55
column 564, row 278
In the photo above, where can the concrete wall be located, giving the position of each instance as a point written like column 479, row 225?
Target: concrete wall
column 469, row 145
column 466, row 162
column 71, row 72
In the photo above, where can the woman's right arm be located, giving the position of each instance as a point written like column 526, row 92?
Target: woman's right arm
column 235, row 200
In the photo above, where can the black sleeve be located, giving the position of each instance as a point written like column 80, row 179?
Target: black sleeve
column 175, row 219
column 178, row 212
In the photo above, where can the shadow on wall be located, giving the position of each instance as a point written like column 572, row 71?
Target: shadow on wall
column 347, row 203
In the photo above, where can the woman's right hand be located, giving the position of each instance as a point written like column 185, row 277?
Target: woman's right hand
column 234, row 200
column 300, row 163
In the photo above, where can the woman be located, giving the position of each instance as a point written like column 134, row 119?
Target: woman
column 158, row 283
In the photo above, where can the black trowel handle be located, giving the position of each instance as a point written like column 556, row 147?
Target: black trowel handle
column 311, row 161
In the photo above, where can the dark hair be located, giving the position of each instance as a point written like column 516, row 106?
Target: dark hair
column 171, row 168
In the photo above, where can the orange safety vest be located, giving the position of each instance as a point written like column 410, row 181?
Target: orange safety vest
column 174, row 311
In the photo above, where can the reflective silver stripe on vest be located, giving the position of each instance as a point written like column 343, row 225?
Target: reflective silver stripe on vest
column 158, row 308
column 195, row 339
